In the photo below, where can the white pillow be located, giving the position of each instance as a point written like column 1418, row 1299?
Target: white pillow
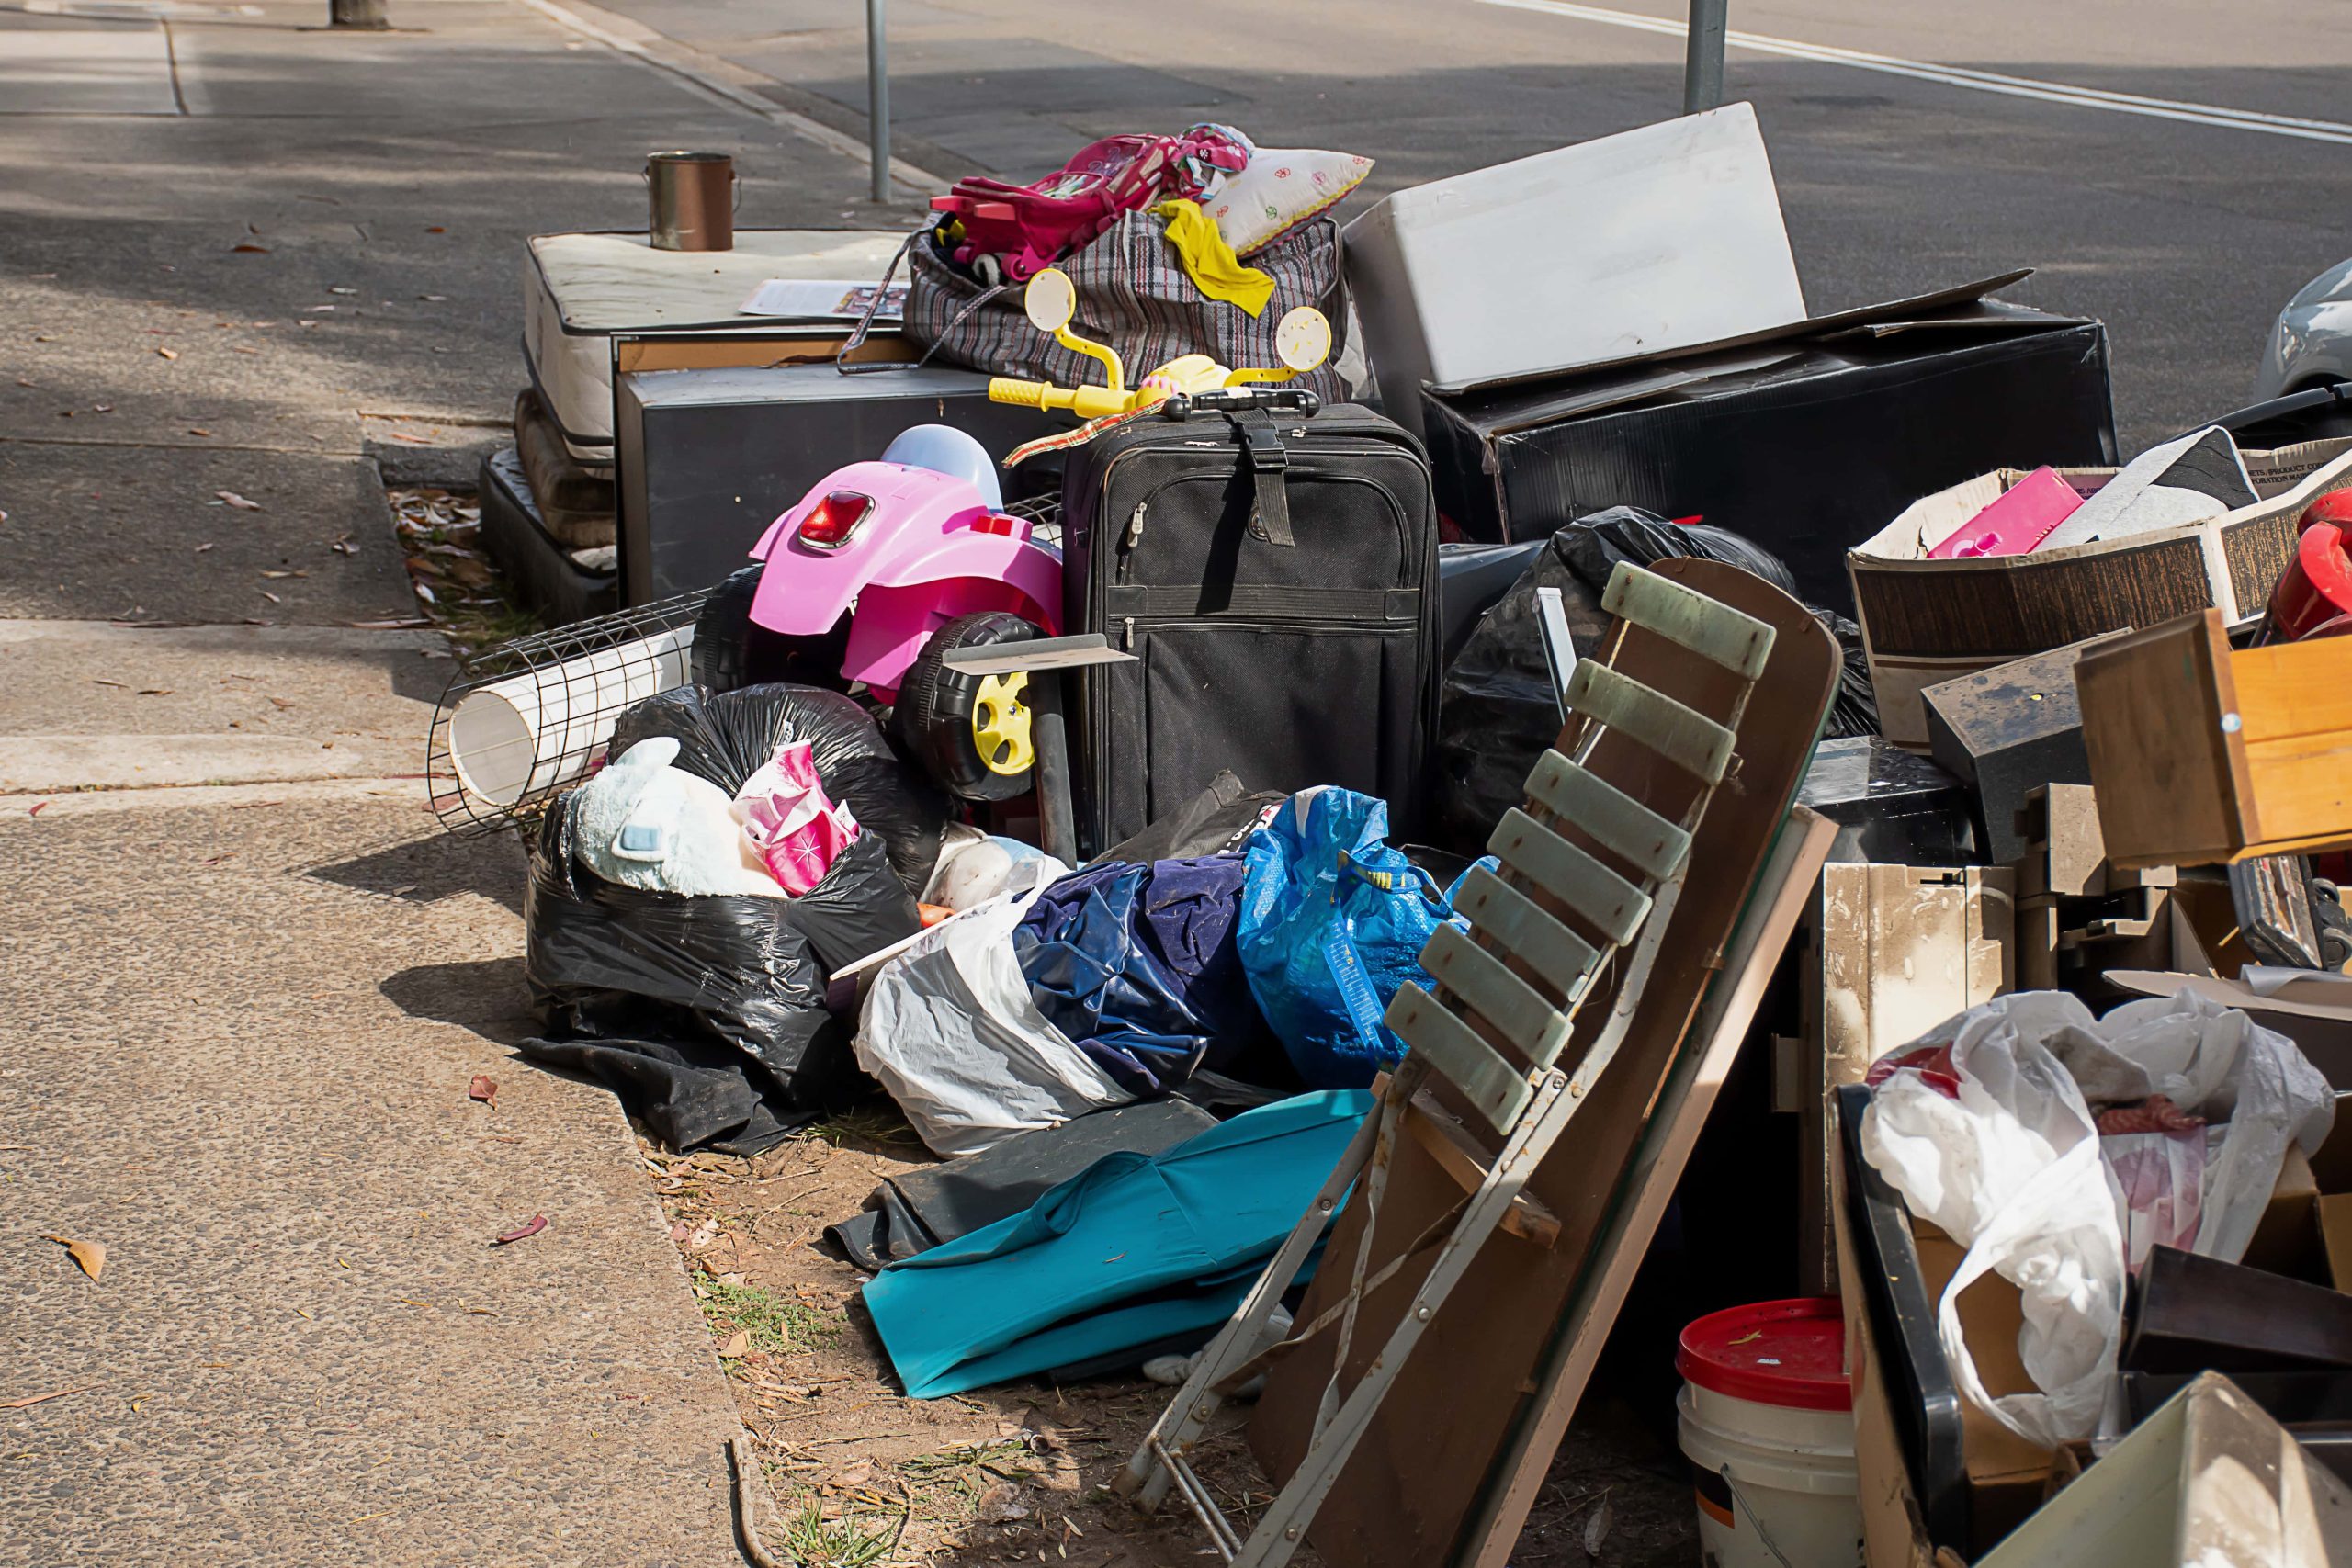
column 1281, row 188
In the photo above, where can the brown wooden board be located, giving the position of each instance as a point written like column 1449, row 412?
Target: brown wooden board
column 2296, row 704
column 1413, row 1480
column 1684, row 1105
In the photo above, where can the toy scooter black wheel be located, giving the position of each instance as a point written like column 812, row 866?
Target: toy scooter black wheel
column 731, row 652
column 970, row 732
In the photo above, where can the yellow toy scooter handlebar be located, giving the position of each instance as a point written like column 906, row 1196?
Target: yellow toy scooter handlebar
column 1087, row 402
column 1303, row 339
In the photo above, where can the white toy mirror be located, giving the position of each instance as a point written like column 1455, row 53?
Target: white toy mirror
column 1303, row 338
column 1051, row 299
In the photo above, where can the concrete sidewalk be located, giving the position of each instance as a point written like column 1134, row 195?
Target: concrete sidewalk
column 247, row 979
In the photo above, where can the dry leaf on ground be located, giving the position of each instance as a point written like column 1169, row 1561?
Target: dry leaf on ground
column 737, row 1344
column 539, row 1223
column 90, row 1255
column 1596, row 1529
column 483, row 1090
column 239, row 501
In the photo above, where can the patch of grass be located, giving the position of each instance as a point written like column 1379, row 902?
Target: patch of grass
column 952, row 1481
column 774, row 1323
column 816, row 1542
column 879, row 1129
column 476, row 627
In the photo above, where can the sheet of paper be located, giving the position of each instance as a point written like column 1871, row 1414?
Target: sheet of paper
column 803, row 298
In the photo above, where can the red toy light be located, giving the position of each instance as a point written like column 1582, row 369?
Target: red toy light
column 833, row 522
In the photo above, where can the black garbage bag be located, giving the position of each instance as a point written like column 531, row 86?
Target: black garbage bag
column 1498, row 711
column 707, row 1014
column 1593, row 545
column 1218, row 821
column 728, row 736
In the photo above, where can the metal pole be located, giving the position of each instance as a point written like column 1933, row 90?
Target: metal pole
column 1702, row 66
column 877, row 97
column 367, row 14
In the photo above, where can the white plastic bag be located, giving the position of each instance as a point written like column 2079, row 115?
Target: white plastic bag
column 2008, row 1165
column 1993, row 1142
column 2218, row 1063
column 949, row 1030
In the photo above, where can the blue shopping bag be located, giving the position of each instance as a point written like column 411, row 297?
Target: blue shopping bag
column 1333, row 920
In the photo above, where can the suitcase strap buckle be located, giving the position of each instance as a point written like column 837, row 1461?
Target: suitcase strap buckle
column 1269, row 461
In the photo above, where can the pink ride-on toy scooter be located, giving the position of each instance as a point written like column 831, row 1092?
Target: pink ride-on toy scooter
column 882, row 569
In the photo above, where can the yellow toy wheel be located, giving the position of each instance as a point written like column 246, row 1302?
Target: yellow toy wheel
column 1001, row 724
column 970, row 732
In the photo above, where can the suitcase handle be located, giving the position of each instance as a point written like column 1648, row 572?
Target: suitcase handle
column 1297, row 401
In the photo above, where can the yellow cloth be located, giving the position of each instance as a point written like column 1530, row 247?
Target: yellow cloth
column 1209, row 262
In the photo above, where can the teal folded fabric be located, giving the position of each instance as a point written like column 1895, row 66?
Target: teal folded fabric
column 1134, row 1250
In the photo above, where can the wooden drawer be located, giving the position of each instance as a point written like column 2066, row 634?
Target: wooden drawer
column 2203, row 755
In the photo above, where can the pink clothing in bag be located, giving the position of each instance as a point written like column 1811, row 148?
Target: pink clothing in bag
column 797, row 832
column 1028, row 227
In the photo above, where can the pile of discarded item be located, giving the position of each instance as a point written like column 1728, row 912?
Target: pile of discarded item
column 1314, row 832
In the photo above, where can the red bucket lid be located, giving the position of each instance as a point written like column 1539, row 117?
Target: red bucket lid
column 1790, row 1354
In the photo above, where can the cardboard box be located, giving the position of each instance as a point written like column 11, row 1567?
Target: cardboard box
column 2006, row 1474
column 1995, row 1482
column 1651, row 239
column 2311, row 1193
column 1934, row 1484
column 1802, row 439
column 1925, row 621
column 2335, row 1237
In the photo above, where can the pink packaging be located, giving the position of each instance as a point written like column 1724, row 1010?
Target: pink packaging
column 783, row 811
column 2014, row 524
column 2161, row 1178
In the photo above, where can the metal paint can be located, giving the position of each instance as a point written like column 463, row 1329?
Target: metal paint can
column 693, row 198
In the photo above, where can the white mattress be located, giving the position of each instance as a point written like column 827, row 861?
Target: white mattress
column 580, row 289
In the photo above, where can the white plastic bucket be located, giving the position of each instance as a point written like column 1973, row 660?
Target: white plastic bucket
column 1772, row 1471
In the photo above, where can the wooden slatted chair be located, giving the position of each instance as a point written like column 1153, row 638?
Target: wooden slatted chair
column 1591, row 868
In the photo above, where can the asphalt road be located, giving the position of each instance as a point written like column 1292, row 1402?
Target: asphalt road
column 2184, row 224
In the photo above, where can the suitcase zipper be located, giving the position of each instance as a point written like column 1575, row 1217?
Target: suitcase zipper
column 1133, row 534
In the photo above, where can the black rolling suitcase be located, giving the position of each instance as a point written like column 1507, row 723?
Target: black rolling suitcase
column 1274, row 573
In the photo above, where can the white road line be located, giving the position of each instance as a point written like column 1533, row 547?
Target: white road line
column 1961, row 76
